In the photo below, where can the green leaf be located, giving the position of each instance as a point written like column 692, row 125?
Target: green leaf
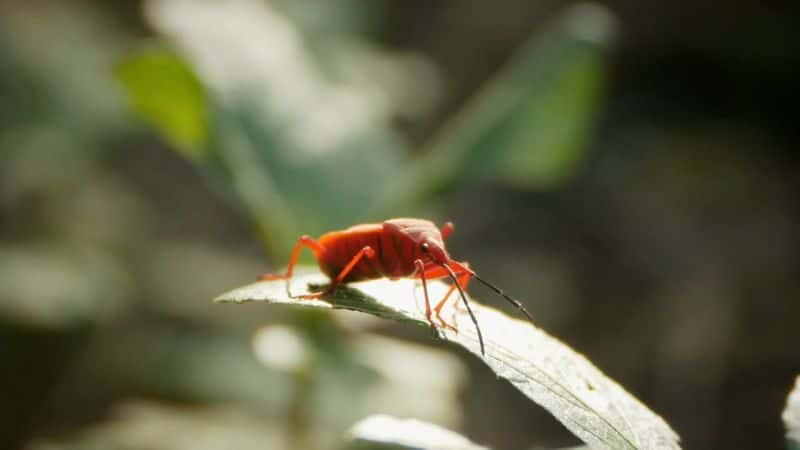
column 380, row 432
column 166, row 93
column 791, row 417
column 559, row 78
column 295, row 145
column 529, row 125
column 592, row 406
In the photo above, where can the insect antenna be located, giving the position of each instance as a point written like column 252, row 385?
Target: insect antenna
column 499, row 291
column 466, row 303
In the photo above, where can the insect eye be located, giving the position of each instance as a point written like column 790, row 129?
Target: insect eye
column 424, row 246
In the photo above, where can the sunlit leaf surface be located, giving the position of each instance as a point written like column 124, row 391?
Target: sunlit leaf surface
column 592, row 406
column 791, row 417
column 382, row 432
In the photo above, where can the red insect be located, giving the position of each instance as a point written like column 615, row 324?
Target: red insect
column 396, row 248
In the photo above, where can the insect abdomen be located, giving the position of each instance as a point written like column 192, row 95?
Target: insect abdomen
column 341, row 247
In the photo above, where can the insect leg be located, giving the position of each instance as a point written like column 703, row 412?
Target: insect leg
column 463, row 279
column 366, row 251
column 436, row 273
column 421, row 271
column 304, row 241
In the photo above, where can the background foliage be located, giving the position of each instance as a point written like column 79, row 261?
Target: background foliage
column 629, row 170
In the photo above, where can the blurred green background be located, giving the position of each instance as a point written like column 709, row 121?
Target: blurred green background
column 629, row 170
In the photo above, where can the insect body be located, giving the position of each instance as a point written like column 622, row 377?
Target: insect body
column 396, row 248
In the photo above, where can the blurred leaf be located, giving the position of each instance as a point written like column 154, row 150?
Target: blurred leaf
column 529, row 125
column 298, row 147
column 791, row 417
column 560, row 78
column 59, row 287
column 148, row 425
column 437, row 372
column 380, row 432
column 184, row 365
column 166, row 93
column 592, row 406
column 61, row 68
column 208, row 365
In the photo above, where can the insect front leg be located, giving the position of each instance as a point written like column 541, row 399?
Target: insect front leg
column 421, row 271
column 432, row 273
column 428, row 310
column 463, row 280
